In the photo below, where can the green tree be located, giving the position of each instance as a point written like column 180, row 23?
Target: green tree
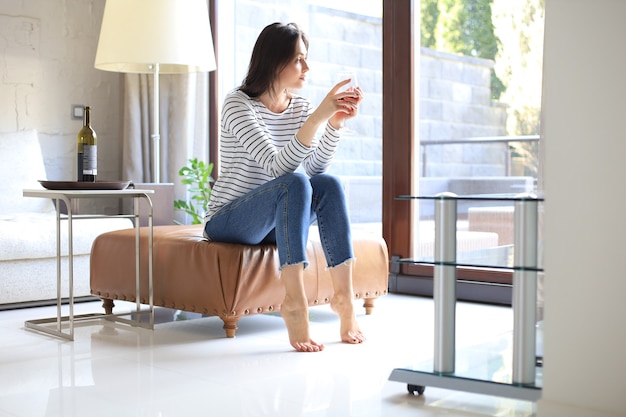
column 464, row 27
column 428, row 22
column 506, row 31
column 519, row 63
column 469, row 29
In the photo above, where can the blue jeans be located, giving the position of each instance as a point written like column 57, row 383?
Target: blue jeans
column 281, row 212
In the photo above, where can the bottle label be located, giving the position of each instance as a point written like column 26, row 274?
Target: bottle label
column 90, row 160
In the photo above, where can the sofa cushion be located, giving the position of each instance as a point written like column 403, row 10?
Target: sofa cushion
column 33, row 235
column 21, row 166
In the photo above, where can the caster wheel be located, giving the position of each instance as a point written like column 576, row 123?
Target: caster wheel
column 419, row 389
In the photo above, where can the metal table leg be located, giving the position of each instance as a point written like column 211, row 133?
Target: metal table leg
column 444, row 284
column 525, row 291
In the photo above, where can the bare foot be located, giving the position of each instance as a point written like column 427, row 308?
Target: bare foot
column 296, row 316
column 350, row 331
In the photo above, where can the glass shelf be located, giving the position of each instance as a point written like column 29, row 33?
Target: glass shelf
column 499, row 257
column 476, row 197
column 418, row 378
column 484, row 225
column 482, row 369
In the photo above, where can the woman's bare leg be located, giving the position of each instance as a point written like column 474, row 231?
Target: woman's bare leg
column 342, row 303
column 295, row 310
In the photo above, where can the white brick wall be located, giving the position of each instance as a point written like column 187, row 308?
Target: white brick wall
column 47, row 51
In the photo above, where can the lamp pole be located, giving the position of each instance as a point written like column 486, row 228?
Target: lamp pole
column 156, row 136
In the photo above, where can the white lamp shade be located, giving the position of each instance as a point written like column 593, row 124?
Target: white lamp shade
column 136, row 34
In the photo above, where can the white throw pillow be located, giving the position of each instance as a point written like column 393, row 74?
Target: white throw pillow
column 21, row 166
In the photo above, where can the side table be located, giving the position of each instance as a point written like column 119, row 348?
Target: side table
column 67, row 196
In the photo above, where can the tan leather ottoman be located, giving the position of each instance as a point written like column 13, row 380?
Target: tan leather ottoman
column 222, row 279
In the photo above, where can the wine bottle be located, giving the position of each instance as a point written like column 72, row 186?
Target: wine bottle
column 87, row 151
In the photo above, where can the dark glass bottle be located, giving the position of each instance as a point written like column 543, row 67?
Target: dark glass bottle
column 87, row 151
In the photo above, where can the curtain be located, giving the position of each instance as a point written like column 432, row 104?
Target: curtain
column 184, row 126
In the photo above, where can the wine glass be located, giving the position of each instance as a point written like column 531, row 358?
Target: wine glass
column 351, row 86
column 344, row 75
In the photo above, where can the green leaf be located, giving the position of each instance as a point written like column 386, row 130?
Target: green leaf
column 197, row 176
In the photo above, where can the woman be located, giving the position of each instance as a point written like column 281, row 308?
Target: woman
column 267, row 132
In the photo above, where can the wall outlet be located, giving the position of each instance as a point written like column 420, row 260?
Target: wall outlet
column 78, row 112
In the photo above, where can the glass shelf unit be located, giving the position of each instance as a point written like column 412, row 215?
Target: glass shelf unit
column 521, row 257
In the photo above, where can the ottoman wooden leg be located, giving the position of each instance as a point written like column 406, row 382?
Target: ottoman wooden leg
column 230, row 325
column 368, row 303
column 108, row 305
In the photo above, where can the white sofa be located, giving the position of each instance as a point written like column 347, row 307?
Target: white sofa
column 28, row 230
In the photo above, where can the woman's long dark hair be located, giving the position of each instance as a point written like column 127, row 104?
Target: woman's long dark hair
column 273, row 50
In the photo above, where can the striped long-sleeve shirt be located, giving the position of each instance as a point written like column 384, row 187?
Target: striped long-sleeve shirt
column 257, row 145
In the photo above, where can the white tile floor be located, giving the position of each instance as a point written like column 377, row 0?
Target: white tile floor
column 188, row 368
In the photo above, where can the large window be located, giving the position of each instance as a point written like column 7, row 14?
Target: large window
column 472, row 124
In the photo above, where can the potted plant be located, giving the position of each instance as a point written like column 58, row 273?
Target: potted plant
column 197, row 175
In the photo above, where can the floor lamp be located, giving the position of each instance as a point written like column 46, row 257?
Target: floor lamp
column 155, row 37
